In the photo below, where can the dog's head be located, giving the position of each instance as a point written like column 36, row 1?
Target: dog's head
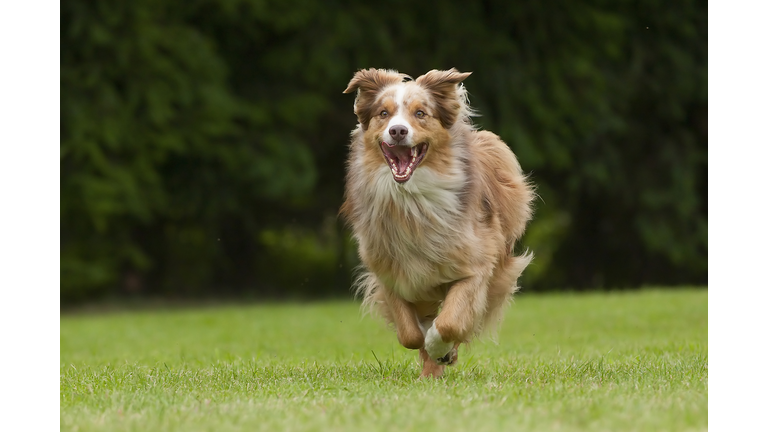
column 409, row 120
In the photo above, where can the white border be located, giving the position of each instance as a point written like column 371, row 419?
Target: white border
column 29, row 228
column 738, row 161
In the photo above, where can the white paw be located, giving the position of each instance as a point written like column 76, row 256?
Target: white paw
column 436, row 348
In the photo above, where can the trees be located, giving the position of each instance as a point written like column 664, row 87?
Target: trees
column 203, row 143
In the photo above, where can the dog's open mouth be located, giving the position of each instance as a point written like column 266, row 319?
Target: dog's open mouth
column 403, row 160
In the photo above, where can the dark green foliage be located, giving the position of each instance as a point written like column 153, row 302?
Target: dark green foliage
column 203, row 142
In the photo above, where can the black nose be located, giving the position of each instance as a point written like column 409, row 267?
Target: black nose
column 398, row 132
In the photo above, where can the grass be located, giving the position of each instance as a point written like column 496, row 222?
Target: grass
column 618, row 361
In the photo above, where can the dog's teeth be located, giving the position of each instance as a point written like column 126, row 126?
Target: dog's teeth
column 413, row 151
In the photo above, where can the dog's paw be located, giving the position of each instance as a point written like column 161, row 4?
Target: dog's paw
column 449, row 359
column 437, row 349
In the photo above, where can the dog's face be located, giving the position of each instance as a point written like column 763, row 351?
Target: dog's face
column 407, row 122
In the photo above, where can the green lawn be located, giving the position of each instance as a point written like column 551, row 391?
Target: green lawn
column 612, row 362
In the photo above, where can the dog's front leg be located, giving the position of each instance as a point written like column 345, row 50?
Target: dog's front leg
column 463, row 308
column 406, row 322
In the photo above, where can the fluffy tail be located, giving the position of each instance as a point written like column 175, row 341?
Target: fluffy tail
column 368, row 287
column 503, row 287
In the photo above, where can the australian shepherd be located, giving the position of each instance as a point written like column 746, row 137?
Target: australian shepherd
column 436, row 207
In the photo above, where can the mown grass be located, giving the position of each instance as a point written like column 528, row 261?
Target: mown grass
column 619, row 361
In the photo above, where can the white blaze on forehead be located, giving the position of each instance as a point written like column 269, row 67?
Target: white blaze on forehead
column 400, row 118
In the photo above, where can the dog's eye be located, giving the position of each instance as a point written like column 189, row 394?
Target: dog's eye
column 420, row 114
column 383, row 113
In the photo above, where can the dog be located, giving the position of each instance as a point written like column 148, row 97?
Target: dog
column 436, row 207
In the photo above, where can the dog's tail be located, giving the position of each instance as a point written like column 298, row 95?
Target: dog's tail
column 368, row 287
column 503, row 288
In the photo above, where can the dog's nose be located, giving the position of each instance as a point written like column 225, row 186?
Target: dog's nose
column 398, row 132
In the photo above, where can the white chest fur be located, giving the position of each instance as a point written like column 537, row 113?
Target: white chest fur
column 413, row 227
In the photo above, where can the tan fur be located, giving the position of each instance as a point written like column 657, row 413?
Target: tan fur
column 443, row 240
column 430, row 368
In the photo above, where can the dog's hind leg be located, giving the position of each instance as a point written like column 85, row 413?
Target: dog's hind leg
column 427, row 312
column 431, row 368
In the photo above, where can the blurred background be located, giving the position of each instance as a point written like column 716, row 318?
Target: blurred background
column 203, row 142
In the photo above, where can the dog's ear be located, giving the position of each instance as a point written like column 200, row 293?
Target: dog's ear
column 443, row 85
column 368, row 83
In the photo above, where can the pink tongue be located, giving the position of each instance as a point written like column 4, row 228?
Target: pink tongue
column 402, row 152
column 402, row 156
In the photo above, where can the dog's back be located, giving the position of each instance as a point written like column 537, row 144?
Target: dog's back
column 507, row 194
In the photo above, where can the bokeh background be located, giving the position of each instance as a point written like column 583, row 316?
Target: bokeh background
column 203, row 142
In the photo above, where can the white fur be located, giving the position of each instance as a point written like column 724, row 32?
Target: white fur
column 433, row 200
column 399, row 119
column 425, row 325
column 434, row 344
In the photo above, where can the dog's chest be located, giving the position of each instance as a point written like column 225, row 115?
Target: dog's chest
column 409, row 234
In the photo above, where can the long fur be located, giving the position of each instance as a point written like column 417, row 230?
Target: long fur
column 437, row 249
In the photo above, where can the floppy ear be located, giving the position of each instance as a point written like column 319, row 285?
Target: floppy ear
column 443, row 87
column 368, row 83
